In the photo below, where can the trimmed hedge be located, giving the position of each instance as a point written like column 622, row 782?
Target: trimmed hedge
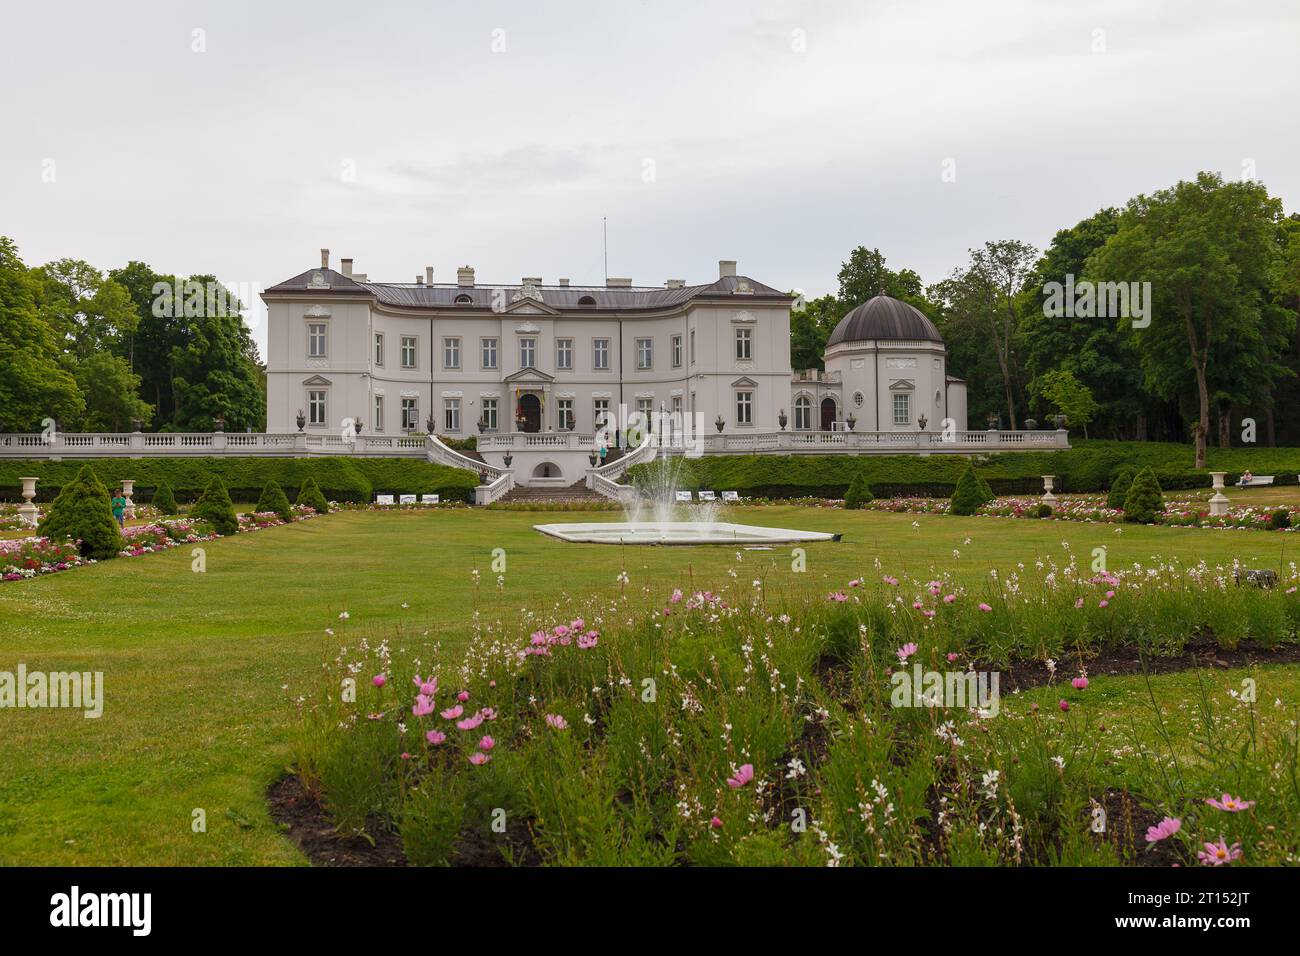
column 1087, row 467
column 1144, row 503
column 273, row 499
column 164, row 500
column 859, row 493
column 310, row 495
column 214, row 507
column 970, row 493
column 339, row 479
column 83, row 512
column 1119, row 487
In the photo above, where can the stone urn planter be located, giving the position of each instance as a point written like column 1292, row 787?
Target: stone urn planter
column 1049, row 498
column 128, row 489
column 302, row 420
column 1218, row 501
column 27, row 510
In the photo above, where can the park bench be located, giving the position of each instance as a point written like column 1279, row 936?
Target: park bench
column 1255, row 481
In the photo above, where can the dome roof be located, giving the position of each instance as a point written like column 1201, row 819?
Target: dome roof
column 884, row 318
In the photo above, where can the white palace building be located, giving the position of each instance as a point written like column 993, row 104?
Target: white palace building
column 540, row 373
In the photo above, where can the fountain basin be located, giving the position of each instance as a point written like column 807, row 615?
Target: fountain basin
column 678, row 532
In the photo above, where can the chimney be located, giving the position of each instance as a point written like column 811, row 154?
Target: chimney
column 428, row 275
column 564, row 283
column 531, row 280
column 347, row 267
column 675, row 284
column 726, row 267
column 612, row 283
column 419, row 280
column 465, row 277
column 324, row 258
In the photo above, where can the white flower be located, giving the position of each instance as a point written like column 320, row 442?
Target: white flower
column 343, row 615
column 1060, row 762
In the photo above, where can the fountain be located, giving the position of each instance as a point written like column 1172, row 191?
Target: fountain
column 655, row 516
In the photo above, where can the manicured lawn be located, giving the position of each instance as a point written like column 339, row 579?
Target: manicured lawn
column 200, row 670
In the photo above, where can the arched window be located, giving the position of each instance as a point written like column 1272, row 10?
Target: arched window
column 802, row 413
column 587, row 300
column 464, row 299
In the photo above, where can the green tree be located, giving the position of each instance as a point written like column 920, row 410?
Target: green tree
column 83, row 512
column 215, row 507
column 216, row 369
column 310, row 495
column 273, row 500
column 110, row 390
column 1070, row 397
column 864, row 275
column 164, row 500
column 970, row 494
column 859, row 493
column 34, row 386
column 810, row 327
column 1119, row 486
column 1144, row 503
column 1208, row 249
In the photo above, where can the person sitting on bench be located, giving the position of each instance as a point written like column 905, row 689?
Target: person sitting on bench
column 1245, row 479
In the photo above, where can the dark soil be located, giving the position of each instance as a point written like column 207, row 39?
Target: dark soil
column 1127, row 822
column 300, row 815
column 1202, row 651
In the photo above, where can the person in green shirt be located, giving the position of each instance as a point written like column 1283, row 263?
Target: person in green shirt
column 119, row 509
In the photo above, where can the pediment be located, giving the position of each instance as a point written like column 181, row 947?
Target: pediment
column 528, row 306
column 528, row 375
column 744, row 382
column 902, row 385
column 317, row 380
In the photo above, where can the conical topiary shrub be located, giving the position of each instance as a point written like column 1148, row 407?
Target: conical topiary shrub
column 1119, row 487
column 1144, row 504
column 273, row 499
column 859, row 493
column 164, row 500
column 311, row 496
column 216, row 508
column 83, row 512
column 970, row 493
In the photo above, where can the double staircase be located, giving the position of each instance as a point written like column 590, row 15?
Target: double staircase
column 576, row 492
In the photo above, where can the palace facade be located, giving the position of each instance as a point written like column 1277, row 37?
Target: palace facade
column 468, row 358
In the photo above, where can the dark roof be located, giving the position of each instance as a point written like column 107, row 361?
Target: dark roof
column 444, row 296
column 884, row 318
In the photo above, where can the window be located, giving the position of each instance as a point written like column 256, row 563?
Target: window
column 744, row 408
column 316, row 340
column 451, row 414
column 802, row 413
column 379, row 413
column 316, row 407
column 677, row 404
column 528, row 353
column 586, row 300
column 644, row 353
column 379, row 348
column 564, row 410
column 408, row 351
column 600, row 354
column 489, row 353
column 489, row 414
column 410, row 414
column 564, row 354
column 744, row 345
column 677, row 351
column 644, row 406
column 600, row 412
column 692, row 346
column 464, row 299
column 902, row 408
column 451, row 352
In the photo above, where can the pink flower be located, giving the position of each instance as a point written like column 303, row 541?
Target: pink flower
column 557, row 721
column 984, row 607
column 469, row 723
column 487, row 713
column 1079, row 603
column 463, row 696
column 1217, row 854
column 561, row 630
column 427, row 687
column 588, row 640
column 451, row 713
column 1103, row 604
column 1063, row 704
column 405, row 755
column 487, row 743
column 856, row 582
column 839, row 597
column 677, row 596
column 478, row 758
column 904, row 652
column 949, row 598
column 742, row 777
column 1079, row 683
column 1164, row 829
column 716, row 823
column 952, row 656
column 1109, row 595
column 1231, row 804
column 379, row 680
column 890, row 580
column 423, row 706
column 435, row 737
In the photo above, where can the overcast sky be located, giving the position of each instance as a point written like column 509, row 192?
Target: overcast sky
column 498, row 134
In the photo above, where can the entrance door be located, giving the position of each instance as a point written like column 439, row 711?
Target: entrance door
column 530, row 409
column 828, row 414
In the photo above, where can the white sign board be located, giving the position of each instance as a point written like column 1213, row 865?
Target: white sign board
column 428, row 499
column 708, row 496
column 683, row 496
column 383, row 499
column 406, row 499
column 730, row 496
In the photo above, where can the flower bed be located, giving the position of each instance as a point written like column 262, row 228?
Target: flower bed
column 723, row 730
column 24, row 558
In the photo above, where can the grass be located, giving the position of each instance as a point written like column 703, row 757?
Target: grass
column 200, row 669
